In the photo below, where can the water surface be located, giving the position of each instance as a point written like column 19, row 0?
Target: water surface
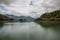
column 28, row 31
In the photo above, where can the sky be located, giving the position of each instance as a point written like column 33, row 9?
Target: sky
column 33, row 8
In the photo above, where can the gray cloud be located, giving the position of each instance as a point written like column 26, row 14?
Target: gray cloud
column 6, row 1
column 55, row 3
column 51, row 4
column 39, row 6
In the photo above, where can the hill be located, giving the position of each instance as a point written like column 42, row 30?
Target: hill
column 14, row 18
column 5, row 18
column 53, row 17
column 20, row 18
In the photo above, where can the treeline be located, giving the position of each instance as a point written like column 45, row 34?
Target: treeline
column 51, row 16
column 4, row 18
column 7, row 19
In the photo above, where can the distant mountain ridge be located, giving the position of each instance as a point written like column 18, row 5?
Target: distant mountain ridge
column 28, row 18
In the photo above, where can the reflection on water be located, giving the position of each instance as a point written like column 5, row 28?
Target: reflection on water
column 28, row 31
column 1, row 24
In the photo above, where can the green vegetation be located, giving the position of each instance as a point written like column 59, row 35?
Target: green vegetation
column 49, row 24
column 5, row 19
column 53, row 17
column 1, row 24
column 22, row 20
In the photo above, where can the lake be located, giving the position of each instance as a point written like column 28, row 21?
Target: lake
column 28, row 31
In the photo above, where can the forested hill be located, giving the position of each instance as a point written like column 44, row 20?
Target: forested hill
column 4, row 18
column 51, row 16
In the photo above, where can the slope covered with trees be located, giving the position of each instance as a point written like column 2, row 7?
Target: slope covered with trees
column 5, row 19
column 51, row 17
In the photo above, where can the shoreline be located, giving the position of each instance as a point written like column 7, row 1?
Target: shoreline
column 52, row 22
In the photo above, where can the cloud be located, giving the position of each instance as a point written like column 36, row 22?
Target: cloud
column 33, row 8
column 51, row 4
column 6, row 1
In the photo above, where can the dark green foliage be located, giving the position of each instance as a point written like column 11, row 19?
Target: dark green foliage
column 49, row 24
column 51, row 16
column 4, row 18
column 1, row 24
column 22, row 20
column 55, row 14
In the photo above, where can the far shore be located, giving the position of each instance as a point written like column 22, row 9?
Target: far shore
column 53, row 22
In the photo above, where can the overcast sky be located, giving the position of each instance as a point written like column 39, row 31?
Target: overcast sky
column 33, row 8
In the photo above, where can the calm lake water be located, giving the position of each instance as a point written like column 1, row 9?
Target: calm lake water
column 28, row 31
